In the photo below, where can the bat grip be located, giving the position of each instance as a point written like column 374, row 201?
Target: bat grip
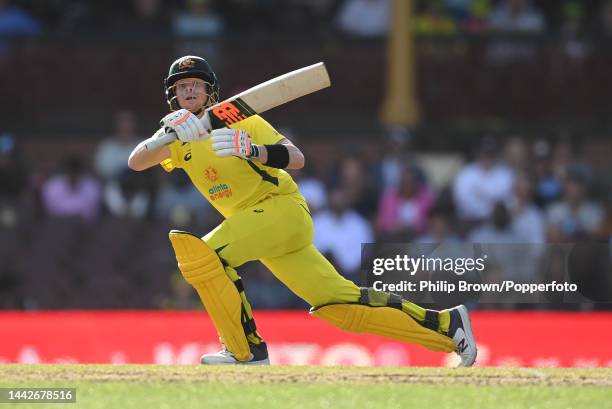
column 164, row 139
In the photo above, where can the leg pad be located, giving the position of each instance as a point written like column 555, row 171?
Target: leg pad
column 202, row 268
column 385, row 321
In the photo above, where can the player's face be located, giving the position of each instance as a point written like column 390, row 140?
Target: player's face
column 191, row 93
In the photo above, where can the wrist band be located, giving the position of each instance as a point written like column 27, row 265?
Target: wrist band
column 278, row 156
column 254, row 151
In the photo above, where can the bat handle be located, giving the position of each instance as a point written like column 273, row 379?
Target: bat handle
column 170, row 137
column 164, row 139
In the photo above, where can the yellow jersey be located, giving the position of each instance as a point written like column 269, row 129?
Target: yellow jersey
column 231, row 183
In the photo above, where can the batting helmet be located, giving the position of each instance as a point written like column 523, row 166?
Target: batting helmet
column 191, row 66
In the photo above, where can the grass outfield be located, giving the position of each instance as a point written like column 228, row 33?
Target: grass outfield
column 154, row 386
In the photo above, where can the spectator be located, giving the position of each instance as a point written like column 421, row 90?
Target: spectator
column 574, row 215
column 72, row 192
column 547, row 185
column 340, row 231
column 440, row 228
column 179, row 201
column 481, row 184
column 516, row 153
column 364, row 18
column 358, row 186
column 516, row 16
column 507, row 258
column 397, row 143
column 197, row 20
column 527, row 221
column 16, row 22
column 497, row 230
column 403, row 210
column 128, row 196
column 311, row 188
column 112, row 153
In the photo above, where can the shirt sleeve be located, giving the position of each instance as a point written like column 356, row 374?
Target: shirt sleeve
column 176, row 154
column 262, row 133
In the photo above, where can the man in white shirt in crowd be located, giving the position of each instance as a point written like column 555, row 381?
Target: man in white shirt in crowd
column 340, row 231
column 481, row 184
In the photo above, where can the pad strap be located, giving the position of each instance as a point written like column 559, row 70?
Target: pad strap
column 432, row 320
column 373, row 298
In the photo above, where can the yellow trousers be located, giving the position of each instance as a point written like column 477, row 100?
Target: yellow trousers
column 278, row 232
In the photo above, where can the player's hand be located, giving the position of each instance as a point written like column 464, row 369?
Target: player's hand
column 233, row 142
column 188, row 127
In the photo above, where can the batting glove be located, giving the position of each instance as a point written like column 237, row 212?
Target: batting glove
column 188, row 127
column 233, row 142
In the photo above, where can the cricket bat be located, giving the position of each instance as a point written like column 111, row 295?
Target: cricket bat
column 260, row 98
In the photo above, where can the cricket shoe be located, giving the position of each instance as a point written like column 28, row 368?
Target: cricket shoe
column 460, row 330
column 259, row 356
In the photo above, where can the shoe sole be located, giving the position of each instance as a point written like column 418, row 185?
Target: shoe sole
column 467, row 328
column 262, row 362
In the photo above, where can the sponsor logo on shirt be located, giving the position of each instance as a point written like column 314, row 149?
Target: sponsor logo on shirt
column 211, row 174
column 219, row 191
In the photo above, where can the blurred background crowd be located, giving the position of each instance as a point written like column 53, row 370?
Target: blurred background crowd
column 365, row 18
column 513, row 145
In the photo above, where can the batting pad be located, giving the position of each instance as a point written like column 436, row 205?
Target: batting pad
column 202, row 268
column 385, row 321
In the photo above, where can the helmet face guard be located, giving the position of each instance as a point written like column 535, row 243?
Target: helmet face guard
column 191, row 67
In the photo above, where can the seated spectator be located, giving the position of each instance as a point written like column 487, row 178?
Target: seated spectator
column 358, row 186
column 439, row 227
column 340, row 231
column 574, row 215
column 527, row 220
column 178, row 200
column 311, row 188
column 516, row 153
column 197, row 20
column 396, row 154
column 128, row 196
column 403, row 210
column 516, row 16
column 364, row 18
column 547, row 184
column 497, row 230
column 481, row 184
column 14, row 21
column 112, row 153
column 72, row 192
column 507, row 258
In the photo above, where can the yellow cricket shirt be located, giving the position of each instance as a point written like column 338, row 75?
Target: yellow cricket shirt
column 231, row 184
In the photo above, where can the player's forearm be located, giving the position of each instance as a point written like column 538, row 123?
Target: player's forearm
column 142, row 158
column 296, row 157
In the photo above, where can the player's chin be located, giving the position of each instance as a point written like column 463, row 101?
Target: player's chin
column 191, row 105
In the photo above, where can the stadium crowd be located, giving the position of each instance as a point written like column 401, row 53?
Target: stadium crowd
column 95, row 232
column 361, row 18
column 87, row 232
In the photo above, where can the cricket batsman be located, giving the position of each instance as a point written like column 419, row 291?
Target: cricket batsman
column 240, row 170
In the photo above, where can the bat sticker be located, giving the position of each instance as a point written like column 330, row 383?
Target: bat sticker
column 230, row 112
